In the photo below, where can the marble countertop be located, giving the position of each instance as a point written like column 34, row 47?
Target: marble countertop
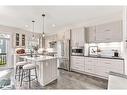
column 107, row 57
column 39, row 58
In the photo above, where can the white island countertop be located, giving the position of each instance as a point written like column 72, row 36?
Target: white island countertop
column 39, row 58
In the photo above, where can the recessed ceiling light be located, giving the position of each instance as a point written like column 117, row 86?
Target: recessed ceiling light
column 53, row 25
column 26, row 26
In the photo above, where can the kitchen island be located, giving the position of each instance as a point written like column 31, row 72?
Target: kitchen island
column 46, row 68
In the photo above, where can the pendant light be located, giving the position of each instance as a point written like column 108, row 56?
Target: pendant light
column 43, row 34
column 33, row 37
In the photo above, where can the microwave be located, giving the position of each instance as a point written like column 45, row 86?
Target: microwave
column 78, row 51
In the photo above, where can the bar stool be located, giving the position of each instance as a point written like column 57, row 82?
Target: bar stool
column 19, row 66
column 26, row 74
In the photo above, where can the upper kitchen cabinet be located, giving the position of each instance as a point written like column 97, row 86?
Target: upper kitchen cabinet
column 19, row 40
column 63, row 35
column 60, row 36
column 110, row 32
column 77, row 37
column 67, row 35
column 90, row 34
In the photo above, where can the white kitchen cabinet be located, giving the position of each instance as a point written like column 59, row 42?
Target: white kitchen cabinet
column 109, row 32
column 67, row 35
column 102, row 66
column 113, row 65
column 77, row 37
column 77, row 63
column 60, row 36
column 90, row 64
column 47, row 71
column 19, row 40
column 90, row 34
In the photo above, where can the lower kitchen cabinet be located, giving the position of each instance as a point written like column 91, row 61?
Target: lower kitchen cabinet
column 102, row 66
column 97, row 66
column 77, row 63
column 90, row 64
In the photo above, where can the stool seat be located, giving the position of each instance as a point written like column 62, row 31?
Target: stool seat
column 21, row 63
column 29, row 66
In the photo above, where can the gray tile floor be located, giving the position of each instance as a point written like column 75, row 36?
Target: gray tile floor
column 70, row 80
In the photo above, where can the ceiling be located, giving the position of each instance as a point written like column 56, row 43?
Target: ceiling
column 57, row 17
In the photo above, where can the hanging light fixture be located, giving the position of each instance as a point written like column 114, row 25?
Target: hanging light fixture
column 33, row 37
column 43, row 34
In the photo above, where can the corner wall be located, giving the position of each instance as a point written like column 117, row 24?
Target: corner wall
column 125, row 37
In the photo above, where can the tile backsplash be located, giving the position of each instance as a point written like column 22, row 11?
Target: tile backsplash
column 107, row 49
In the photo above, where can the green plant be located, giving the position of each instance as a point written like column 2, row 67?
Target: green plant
column 2, row 62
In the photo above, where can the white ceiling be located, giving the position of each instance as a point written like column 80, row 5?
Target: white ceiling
column 61, row 16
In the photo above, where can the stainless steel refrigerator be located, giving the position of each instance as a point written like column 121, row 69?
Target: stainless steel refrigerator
column 63, row 53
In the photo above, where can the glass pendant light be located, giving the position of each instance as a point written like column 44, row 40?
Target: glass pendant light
column 33, row 37
column 43, row 34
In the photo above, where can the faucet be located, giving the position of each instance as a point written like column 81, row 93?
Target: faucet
column 31, row 55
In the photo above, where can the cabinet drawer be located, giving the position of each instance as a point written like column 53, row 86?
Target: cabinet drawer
column 102, row 71
column 78, row 64
column 91, row 61
column 78, row 68
column 113, row 64
column 89, row 69
column 121, row 71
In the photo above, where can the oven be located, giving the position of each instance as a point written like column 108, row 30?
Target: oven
column 78, row 51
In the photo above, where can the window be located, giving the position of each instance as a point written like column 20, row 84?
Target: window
column 1, row 42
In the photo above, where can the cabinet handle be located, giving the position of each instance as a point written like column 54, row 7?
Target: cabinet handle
column 126, row 43
column 107, row 63
column 107, row 38
column 107, row 30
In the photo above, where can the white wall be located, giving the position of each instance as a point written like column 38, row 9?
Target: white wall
column 125, row 37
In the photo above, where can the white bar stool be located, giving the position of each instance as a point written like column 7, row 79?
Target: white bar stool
column 28, row 68
column 19, row 66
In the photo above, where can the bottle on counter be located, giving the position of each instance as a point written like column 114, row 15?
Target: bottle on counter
column 116, row 54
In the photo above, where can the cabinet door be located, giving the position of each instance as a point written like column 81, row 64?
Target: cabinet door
column 60, row 36
column 103, row 33
column 90, row 34
column 23, row 40
column 73, row 38
column 112, row 65
column 67, row 35
column 117, row 31
column 109, row 32
column 101, row 71
column 90, row 64
column 77, row 63
column 16, row 40
column 78, row 37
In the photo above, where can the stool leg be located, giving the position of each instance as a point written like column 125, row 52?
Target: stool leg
column 29, row 78
column 16, row 72
column 36, row 75
column 22, row 77
column 19, row 73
